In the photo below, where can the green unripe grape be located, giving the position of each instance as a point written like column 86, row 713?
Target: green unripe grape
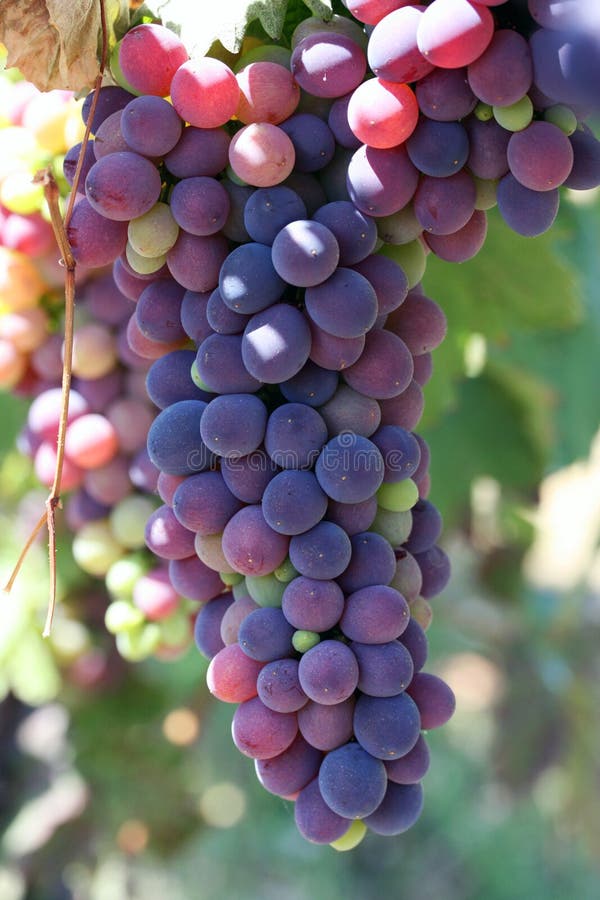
column 174, row 629
column 122, row 616
column 197, row 380
column 484, row 112
column 128, row 520
column 399, row 496
column 209, row 549
column 304, row 640
column 400, row 228
column 139, row 643
column 563, row 117
column 117, row 72
column 515, row 117
column 265, row 53
column 69, row 639
column 20, row 194
column 240, row 590
column 395, row 527
column 95, row 548
column 352, row 838
column 122, row 576
column 265, row 590
column 411, row 257
column 231, row 578
column 486, row 193
column 154, row 233
column 286, row 572
column 144, row 265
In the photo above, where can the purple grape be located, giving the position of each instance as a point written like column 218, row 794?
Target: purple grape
column 248, row 281
column 174, row 442
column 388, row 280
column 327, row 727
column 434, row 699
column 386, row 727
column 328, row 672
column 412, row 767
column 276, row 344
column 192, row 579
column 314, row 144
column 291, row 771
column 169, row 379
column 315, row 820
column 435, row 569
column 349, row 468
column 268, row 210
column 248, row 476
column 221, row 367
column 250, row 546
column 200, row 205
column 294, row 435
column 400, row 809
column 375, row 615
column 305, row 253
column 352, row 782
column 233, row 424
column 150, row 125
column 293, row 502
column 204, row 504
column 166, row 537
column 438, row 148
column 373, row 562
column 279, row 687
column 312, row 385
column 261, row 733
column 198, row 152
column 266, row 635
column 323, row 552
column 384, row 669
column 311, row 604
column 353, row 517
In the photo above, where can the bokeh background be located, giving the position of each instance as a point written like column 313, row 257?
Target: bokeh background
column 120, row 781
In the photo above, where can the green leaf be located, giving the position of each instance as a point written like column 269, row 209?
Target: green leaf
column 513, row 283
column 201, row 24
column 514, row 287
column 488, row 433
column 322, row 8
column 566, row 361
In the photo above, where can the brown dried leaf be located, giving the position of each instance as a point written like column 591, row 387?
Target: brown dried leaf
column 53, row 42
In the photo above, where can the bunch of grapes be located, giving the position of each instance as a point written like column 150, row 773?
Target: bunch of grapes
column 107, row 475
column 271, row 225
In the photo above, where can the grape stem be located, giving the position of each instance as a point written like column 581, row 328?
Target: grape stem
column 59, row 226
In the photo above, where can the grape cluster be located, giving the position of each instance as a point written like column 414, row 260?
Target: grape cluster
column 271, row 225
column 110, row 481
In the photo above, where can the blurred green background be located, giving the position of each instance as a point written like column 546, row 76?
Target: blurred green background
column 121, row 782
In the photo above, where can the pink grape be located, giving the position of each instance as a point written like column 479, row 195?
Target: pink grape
column 91, row 441
column 268, row 93
column 205, row 92
column 149, row 56
column 454, row 33
column 382, row 114
column 262, row 154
